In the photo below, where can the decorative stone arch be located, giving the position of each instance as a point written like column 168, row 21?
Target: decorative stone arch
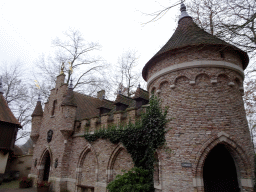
column 112, row 160
column 45, row 161
column 218, row 75
column 178, row 77
column 80, row 164
column 205, row 75
column 158, row 82
column 239, row 156
column 238, row 81
column 162, row 83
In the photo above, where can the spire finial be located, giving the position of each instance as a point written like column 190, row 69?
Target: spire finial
column 39, row 97
column 183, row 10
column 1, row 86
column 62, row 68
column 182, row 7
column 71, row 83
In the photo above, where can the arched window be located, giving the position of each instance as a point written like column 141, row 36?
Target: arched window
column 54, row 107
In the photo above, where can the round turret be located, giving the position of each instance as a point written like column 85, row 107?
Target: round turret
column 200, row 78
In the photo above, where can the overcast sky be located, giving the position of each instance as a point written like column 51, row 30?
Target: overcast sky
column 28, row 27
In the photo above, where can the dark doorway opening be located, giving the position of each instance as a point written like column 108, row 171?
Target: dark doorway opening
column 47, row 167
column 219, row 172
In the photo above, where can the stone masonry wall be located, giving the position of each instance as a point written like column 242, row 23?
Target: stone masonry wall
column 193, row 54
column 206, row 108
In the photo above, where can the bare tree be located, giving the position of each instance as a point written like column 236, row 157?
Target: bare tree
column 74, row 55
column 230, row 20
column 18, row 95
column 127, row 76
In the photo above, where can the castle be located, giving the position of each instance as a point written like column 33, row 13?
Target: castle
column 200, row 78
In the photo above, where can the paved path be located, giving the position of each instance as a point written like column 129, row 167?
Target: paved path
column 19, row 190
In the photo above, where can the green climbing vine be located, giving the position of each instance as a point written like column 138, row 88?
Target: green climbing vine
column 141, row 141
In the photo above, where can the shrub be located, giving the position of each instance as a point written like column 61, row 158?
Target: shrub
column 134, row 180
column 43, row 184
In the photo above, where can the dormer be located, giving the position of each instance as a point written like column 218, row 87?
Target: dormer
column 122, row 102
column 105, row 107
column 141, row 97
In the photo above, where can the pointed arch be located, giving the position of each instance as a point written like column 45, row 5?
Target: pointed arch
column 239, row 156
column 112, row 161
column 45, row 165
column 87, row 160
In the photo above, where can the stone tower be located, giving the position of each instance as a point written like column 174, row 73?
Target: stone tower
column 200, row 78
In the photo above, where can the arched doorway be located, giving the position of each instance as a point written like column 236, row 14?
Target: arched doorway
column 219, row 171
column 46, row 163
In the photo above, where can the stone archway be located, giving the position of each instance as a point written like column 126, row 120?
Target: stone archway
column 219, row 171
column 119, row 160
column 87, row 170
column 241, row 160
column 45, row 166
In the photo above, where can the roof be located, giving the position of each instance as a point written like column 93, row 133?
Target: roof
column 38, row 111
column 141, row 93
column 87, row 107
column 106, row 104
column 188, row 34
column 125, row 100
column 6, row 114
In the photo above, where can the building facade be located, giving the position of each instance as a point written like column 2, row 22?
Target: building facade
column 9, row 126
column 200, row 78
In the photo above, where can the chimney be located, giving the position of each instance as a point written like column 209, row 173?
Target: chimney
column 101, row 94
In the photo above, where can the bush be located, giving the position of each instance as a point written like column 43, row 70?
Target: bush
column 135, row 180
column 25, row 182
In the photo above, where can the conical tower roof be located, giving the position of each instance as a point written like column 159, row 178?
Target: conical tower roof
column 188, row 34
column 38, row 111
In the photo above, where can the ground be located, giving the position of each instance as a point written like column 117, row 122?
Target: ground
column 13, row 186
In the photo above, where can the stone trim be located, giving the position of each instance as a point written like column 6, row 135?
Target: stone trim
column 78, row 135
column 40, row 167
column 192, row 64
column 157, row 186
column 198, row 182
column 62, row 179
column 32, row 175
column 247, row 182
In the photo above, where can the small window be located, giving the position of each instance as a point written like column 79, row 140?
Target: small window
column 222, row 55
column 54, row 107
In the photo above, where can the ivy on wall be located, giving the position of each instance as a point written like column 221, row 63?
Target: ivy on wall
column 141, row 141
